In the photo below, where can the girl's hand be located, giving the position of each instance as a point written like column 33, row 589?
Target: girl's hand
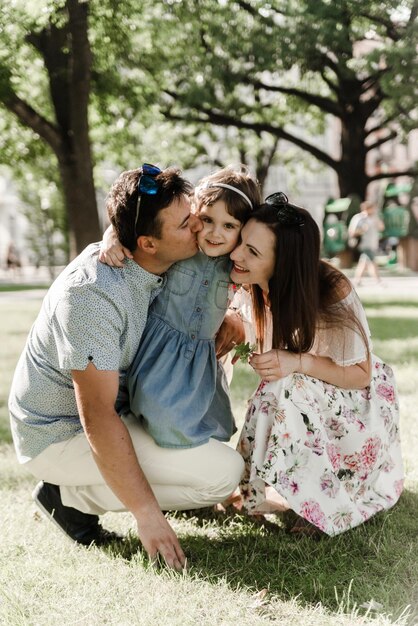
column 111, row 250
column 275, row 364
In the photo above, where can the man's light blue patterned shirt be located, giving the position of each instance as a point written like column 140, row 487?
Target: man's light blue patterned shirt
column 92, row 313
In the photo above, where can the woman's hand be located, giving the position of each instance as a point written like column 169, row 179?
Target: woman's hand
column 275, row 364
column 111, row 250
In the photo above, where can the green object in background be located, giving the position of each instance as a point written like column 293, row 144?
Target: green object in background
column 393, row 190
column 335, row 237
column 396, row 219
column 337, row 206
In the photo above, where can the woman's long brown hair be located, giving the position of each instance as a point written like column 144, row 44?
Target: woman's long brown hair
column 305, row 293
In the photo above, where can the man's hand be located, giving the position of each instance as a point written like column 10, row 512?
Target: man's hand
column 159, row 539
column 230, row 333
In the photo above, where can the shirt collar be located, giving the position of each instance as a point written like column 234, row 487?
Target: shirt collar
column 139, row 278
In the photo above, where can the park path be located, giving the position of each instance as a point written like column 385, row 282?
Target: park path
column 404, row 287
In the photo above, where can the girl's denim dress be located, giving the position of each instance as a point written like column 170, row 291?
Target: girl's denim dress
column 175, row 382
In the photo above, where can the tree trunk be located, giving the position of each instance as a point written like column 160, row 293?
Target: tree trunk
column 65, row 49
column 351, row 171
column 80, row 203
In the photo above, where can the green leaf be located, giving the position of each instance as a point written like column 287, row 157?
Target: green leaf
column 243, row 351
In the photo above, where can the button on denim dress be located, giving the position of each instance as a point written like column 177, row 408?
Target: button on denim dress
column 175, row 382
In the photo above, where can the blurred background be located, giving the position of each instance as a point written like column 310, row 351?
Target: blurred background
column 319, row 99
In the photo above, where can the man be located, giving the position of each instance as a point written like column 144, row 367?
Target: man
column 69, row 383
column 366, row 226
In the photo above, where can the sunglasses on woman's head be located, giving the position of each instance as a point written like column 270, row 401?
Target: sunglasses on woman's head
column 147, row 185
column 287, row 214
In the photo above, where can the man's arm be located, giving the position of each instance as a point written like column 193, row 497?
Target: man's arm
column 112, row 448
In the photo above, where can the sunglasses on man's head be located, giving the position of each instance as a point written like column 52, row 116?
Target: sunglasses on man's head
column 287, row 214
column 147, row 185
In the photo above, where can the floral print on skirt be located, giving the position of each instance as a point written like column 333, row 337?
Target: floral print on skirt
column 334, row 454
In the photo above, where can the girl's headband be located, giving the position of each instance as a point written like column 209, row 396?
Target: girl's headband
column 225, row 186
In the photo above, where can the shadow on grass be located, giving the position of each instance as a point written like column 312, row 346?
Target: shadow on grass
column 378, row 559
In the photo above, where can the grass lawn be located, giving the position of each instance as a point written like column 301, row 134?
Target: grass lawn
column 240, row 573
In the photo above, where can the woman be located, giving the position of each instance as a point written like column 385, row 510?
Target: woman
column 321, row 434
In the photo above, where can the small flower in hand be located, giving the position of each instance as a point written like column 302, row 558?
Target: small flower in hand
column 243, row 351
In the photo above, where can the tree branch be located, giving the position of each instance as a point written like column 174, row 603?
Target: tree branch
column 52, row 44
column 414, row 13
column 391, row 31
column 221, row 119
column 269, row 155
column 248, row 7
column 33, row 120
column 325, row 104
column 411, row 172
column 368, row 82
column 383, row 124
column 329, row 82
column 264, row 161
column 331, row 64
column 392, row 134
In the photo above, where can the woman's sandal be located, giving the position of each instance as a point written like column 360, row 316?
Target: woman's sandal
column 297, row 525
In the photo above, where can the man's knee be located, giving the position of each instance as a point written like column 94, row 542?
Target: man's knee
column 227, row 474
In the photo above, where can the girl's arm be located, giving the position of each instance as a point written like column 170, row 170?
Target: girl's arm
column 111, row 250
column 277, row 364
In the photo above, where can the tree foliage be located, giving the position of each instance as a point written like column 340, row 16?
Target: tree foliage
column 93, row 82
column 285, row 67
column 72, row 84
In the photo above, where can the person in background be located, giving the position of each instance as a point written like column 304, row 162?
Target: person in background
column 366, row 226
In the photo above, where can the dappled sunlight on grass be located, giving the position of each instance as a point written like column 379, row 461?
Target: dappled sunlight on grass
column 394, row 312
column 394, row 351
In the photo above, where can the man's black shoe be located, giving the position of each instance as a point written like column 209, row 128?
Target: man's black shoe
column 80, row 527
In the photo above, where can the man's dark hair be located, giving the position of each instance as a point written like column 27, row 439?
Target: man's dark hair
column 121, row 204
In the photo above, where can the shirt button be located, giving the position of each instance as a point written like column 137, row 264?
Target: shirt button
column 198, row 309
column 206, row 282
column 193, row 336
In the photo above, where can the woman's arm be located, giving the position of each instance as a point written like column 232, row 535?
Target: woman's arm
column 277, row 364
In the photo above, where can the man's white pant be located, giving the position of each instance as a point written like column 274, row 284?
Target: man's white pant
column 180, row 478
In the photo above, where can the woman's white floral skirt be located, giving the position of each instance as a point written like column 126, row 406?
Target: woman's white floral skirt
column 333, row 454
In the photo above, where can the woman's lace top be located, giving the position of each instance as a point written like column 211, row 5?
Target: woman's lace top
column 343, row 344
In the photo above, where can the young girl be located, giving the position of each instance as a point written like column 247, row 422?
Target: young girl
column 176, row 385
column 321, row 434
